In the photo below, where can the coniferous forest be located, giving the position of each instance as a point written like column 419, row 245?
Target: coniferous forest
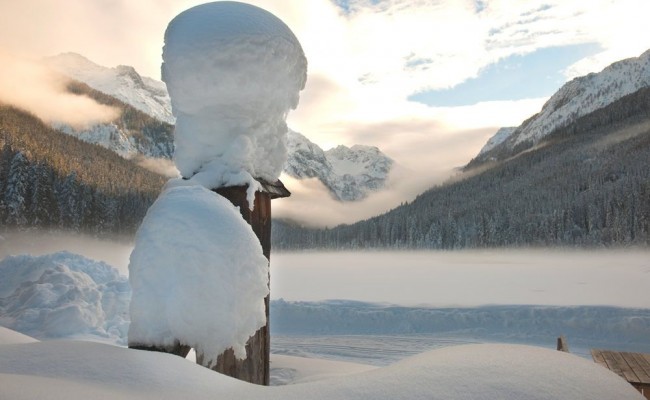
column 52, row 180
column 587, row 184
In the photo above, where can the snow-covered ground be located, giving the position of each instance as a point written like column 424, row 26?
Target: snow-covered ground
column 86, row 370
column 397, row 305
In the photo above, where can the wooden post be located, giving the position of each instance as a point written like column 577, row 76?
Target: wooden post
column 255, row 367
column 562, row 344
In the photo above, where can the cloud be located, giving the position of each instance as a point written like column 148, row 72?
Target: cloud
column 32, row 87
column 162, row 166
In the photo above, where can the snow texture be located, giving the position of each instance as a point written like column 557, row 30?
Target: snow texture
column 498, row 138
column 84, row 370
column 287, row 370
column 233, row 72
column 63, row 295
column 107, row 135
column 198, row 274
column 349, row 174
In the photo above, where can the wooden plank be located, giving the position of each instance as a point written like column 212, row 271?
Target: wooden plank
column 643, row 369
column 597, row 355
column 646, row 357
column 624, row 366
column 612, row 364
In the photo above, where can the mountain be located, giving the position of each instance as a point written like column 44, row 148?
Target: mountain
column 133, row 134
column 145, row 126
column 122, row 82
column 573, row 100
column 349, row 173
column 585, row 184
column 498, row 138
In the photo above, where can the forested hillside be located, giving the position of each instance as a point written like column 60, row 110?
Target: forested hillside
column 587, row 184
column 52, row 180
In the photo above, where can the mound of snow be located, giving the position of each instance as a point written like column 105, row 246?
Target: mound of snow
column 82, row 370
column 63, row 295
column 198, row 274
column 233, row 72
column 289, row 370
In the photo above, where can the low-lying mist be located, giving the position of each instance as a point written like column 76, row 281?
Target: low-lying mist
column 466, row 278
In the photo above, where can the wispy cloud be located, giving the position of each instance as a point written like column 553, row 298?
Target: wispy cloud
column 32, row 87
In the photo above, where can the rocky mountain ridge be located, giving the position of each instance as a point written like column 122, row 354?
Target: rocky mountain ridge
column 578, row 97
column 122, row 82
column 349, row 173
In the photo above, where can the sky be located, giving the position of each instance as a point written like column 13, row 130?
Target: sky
column 428, row 82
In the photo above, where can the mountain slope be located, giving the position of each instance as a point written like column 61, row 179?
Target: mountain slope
column 349, row 173
column 122, row 82
column 587, row 184
column 576, row 98
column 133, row 133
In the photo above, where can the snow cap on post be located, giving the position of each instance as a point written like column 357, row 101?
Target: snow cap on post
column 233, row 72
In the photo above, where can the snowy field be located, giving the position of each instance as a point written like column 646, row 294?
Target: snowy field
column 335, row 314
column 85, row 370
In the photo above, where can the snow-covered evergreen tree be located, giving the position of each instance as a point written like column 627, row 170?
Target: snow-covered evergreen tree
column 16, row 192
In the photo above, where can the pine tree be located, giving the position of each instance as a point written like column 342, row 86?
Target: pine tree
column 68, row 199
column 6, row 155
column 16, row 191
column 44, row 210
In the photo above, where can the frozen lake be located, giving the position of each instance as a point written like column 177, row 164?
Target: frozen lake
column 466, row 278
column 394, row 304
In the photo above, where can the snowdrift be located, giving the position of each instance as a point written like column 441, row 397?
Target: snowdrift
column 83, row 370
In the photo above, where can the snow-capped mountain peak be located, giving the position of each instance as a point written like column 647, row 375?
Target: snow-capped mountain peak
column 122, row 82
column 576, row 98
column 498, row 138
column 350, row 173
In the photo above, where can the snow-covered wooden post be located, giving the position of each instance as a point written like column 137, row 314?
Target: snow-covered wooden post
column 255, row 368
column 233, row 72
